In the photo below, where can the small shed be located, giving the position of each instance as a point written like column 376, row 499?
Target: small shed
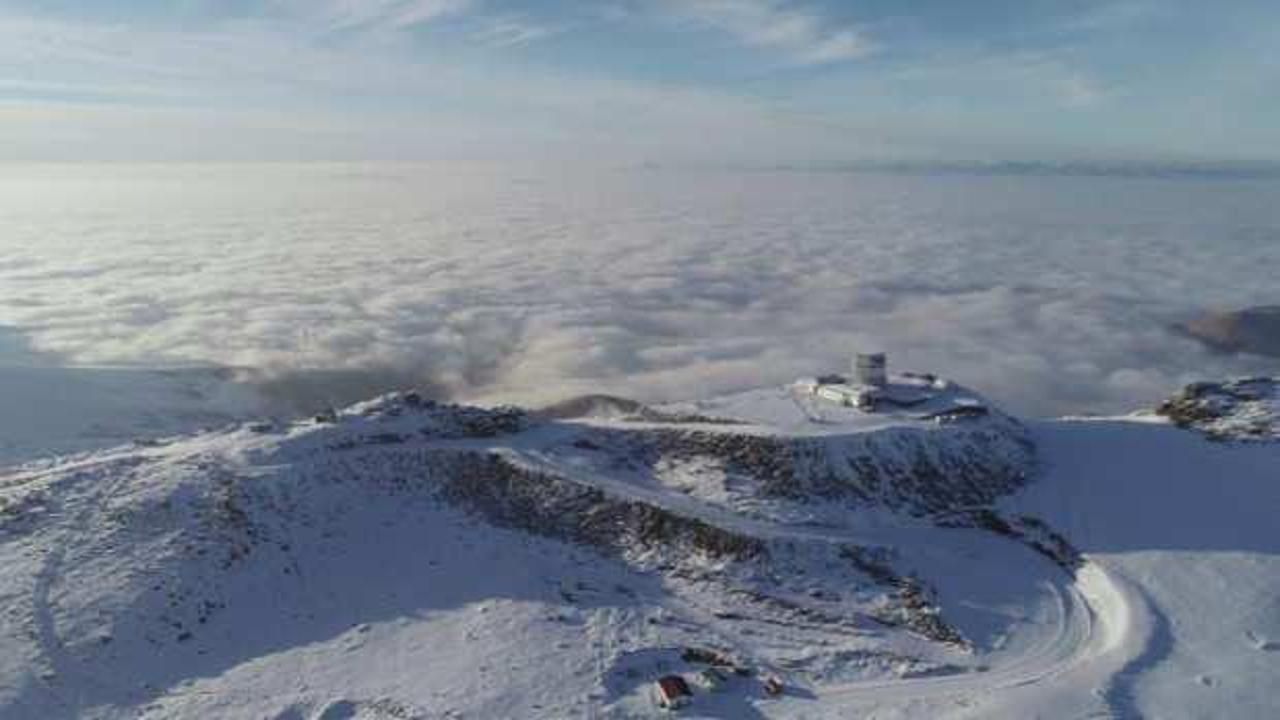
column 671, row 692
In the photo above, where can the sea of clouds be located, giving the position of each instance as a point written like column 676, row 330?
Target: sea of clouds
column 326, row 283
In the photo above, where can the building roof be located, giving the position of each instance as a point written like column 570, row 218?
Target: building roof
column 673, row 686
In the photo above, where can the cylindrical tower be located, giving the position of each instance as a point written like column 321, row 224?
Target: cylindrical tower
column 871, row 369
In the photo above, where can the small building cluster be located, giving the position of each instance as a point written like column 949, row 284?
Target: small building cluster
column 868, row 388
column 673, row 692
column 870, row 378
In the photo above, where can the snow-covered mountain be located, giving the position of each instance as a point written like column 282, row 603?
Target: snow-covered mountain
column 925, row 556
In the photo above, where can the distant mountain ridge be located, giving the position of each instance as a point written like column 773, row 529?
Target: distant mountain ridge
column 1251, row 330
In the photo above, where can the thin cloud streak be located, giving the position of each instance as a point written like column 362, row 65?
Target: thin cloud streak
column 515, row 31
column 736, row 82
column 803, row 35
column 247, row 88
column 385, row 14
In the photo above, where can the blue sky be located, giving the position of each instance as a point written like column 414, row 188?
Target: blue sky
column 700, row 81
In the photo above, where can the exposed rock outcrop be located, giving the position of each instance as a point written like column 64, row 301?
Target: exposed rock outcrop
column 1240, row 409
column 545, row 504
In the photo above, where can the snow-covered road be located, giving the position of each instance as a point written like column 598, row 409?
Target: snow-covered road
column 1094, row 627
column 1188, row 526
column 1170, row 523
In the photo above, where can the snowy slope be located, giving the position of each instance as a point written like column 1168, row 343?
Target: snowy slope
column 407, row 559
column 1191, row 526
column 54, row 410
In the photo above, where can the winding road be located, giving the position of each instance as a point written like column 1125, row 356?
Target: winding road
column 1101, row 626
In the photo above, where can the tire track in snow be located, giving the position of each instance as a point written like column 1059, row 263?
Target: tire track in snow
column 1156, row 646
column 63, row 672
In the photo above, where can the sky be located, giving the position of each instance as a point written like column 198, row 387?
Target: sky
column 737, row 82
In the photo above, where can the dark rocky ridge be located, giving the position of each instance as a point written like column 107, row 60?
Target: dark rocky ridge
column 654, row 537
column 545, row 504
column 1240, row 409
column 920, row 471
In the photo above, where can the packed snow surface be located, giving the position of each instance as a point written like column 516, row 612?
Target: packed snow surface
column 405, row 559
column 1189, row 526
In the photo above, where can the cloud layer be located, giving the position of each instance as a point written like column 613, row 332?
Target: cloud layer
column 328, row 282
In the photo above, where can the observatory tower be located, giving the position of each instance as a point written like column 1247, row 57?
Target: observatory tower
column 871, row 369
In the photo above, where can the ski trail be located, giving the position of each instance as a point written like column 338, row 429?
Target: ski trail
column 46, row 633
column 63, row 675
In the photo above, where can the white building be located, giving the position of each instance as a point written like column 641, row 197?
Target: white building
column 869, row 384
column 858, row 396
